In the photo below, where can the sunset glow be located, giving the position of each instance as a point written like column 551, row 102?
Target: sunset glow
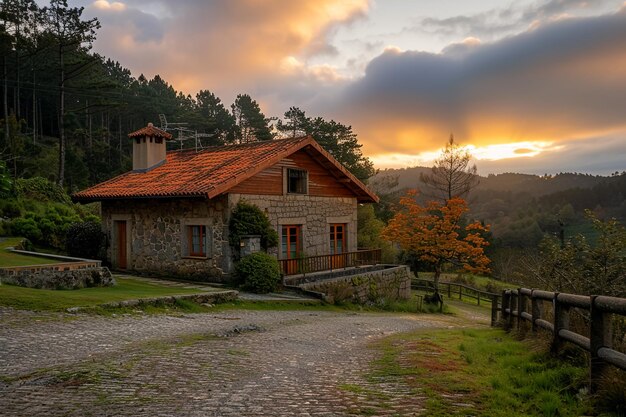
column 534, row 80
column 480, row 153
column 511, row 150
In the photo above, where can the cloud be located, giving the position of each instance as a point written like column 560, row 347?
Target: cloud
column 124, row 28
column 602, row 155
column 513, row 19
column 105, row 5
column 562, row 81
column 554, row 79
column 218, row 45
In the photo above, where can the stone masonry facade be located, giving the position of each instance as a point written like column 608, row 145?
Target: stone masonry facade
column 156, row 236
column 314, row 214
column 156, row 230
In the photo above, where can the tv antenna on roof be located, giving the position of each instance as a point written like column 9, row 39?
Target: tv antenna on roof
column 183, row 133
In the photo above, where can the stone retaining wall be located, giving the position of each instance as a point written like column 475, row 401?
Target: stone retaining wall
column 56, row 277
column 373, row 287
column 200, row 298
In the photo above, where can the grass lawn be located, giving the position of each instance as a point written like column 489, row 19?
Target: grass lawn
column 126, row 289
column 14, row 259
column 482, row 372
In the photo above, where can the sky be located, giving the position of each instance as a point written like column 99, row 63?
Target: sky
column 533, row 86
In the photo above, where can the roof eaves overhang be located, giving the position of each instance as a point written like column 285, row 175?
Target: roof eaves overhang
column 94, row 198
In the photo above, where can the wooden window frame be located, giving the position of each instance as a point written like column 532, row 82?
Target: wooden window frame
column 298, row 228
column 333, row 241
column 202, row 229
column 304, row 178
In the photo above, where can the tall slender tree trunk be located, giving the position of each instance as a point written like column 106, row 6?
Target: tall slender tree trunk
column 88, row 123
column 5, row 101
column 61, row 178
column 40, row 118
column 436, row 277
column 34, row 109
column 17, row 85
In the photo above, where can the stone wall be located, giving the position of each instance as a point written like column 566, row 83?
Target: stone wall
column 374, row 287
column 315, row 214
column 156, row 236
column 51, row 277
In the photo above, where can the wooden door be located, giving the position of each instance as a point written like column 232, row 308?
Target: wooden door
column 338, row 245
column 291, row 247
column 121, row 244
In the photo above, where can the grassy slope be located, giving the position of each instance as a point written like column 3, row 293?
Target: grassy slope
column 13, row 259
column 480, row 372
column 126, row 289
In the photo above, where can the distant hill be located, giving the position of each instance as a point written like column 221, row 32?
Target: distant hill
column 533, row 185
column 520, row 208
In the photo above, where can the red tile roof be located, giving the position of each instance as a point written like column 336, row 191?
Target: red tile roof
column 213, row 171
column 150, row 130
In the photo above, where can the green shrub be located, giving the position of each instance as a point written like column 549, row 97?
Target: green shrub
column 41, row 189
column 46, row 226
column 84, row 240
column 10, row 209
column 26, row 227
column 248, row 219
column 259, row 273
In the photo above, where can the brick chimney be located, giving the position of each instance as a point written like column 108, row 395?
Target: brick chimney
column 148, row 147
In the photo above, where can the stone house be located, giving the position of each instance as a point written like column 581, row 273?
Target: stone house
column 170, row 214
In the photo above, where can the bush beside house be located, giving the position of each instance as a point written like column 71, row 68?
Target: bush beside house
column 258, row 272
column 248, row 219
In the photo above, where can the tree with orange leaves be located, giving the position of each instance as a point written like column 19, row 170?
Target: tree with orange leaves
column 435, row 233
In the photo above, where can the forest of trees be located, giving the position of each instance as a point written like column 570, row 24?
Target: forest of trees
column 66, row 111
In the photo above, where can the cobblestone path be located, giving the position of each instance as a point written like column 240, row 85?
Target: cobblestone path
column 235, row 363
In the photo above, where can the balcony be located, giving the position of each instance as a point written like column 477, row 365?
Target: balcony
column 330, row 263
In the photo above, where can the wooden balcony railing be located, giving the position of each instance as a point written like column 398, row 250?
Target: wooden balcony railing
column 309, row 264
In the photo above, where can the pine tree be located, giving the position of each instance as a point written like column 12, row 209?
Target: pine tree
column 251, row 124
column 70, row 33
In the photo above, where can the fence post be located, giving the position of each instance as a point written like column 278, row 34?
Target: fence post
column 504, row 316
column 512, row 307
column 460, row 291
column 600, row 335
column 521, row 308
column 561, row 321
column 449, row 292
column 536, row 310
column 478, row 292
column 494, row 310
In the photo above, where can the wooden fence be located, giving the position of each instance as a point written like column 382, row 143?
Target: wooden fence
column 453, row 289
column 551, row 311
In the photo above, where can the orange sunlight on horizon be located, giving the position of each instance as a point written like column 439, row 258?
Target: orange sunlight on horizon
column 526, row 149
